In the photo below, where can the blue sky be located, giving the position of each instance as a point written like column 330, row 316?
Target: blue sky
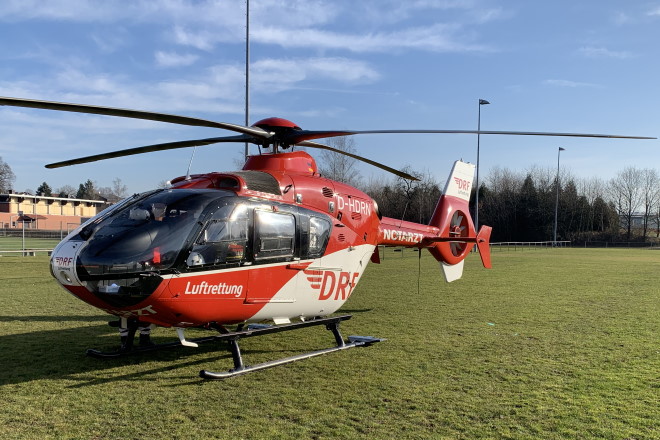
column 588, row 66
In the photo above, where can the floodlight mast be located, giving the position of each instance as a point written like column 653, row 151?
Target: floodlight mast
column 554, row 242
column 247, row 73
column 476, row 200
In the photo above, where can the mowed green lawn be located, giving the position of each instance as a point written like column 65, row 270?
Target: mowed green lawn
column 551, row 344
column 17, row 243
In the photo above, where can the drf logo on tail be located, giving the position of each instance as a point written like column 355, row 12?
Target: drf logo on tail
column 332, row 284
column 463, row 185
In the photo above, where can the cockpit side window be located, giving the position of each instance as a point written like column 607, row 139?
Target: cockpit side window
column 274, row 235
column 319, row 234
column 224, row 238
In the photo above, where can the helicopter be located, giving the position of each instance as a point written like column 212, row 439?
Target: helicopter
column 274, row 242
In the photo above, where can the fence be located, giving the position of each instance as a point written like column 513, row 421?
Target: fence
column 28, row 242
column 616, row 244
column 522, row 245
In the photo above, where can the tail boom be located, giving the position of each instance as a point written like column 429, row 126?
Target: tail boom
column 450, row 235
column 414, row 235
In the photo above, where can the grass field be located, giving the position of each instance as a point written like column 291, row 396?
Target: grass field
column 550, row 344
column 16, row 243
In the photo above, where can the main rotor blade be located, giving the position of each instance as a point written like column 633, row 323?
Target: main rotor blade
column 135, row 114
column 360, row 158
column 151, row 148
column 304, row 135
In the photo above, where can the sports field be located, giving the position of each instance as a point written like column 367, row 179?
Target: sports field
column 17, row 243
column 550, row 344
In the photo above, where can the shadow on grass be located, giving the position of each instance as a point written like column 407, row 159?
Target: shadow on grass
column 351, row 311
column 58, row 318
column 60, row 355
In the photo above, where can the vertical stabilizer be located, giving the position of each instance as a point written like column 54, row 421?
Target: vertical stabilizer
column 459, row 183
column 452, row 218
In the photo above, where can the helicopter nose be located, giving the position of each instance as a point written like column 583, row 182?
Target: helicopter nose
column 63, row 263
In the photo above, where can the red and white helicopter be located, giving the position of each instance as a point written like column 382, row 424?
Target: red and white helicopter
column 275, row 241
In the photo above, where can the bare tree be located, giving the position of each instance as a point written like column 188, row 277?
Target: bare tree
column 626, row 194
column 650, row 195
column 117, row 192
column 7, row 177
column 340, row 167
column 499, row 206
column 66, row 191
column 118, row 188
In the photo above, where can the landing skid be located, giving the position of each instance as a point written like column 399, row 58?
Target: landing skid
column 331, row 323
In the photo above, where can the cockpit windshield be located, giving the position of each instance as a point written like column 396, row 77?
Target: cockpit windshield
column 147, row 235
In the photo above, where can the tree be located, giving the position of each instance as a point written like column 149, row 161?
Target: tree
column 338, row 166
column 87, row 191
column 527, row 216
column 7, row 177
column 520, row 207
column 44, row 190
column 499, row 205
column 404, row 199
column 626, row 194
column 113, row 194
column 66, row 191
column 650, row 194
column 119, row 189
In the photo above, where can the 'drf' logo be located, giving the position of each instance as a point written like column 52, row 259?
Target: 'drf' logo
column 331, row 284
column 462, row 184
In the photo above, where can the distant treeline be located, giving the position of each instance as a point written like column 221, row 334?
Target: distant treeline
column 520, row 206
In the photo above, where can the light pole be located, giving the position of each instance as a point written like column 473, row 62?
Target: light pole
column 554, row 242
column 247, row 72
column 476, row 205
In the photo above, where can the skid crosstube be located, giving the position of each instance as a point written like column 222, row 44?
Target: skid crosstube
column 331, row 323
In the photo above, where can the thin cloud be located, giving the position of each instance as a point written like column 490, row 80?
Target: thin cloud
column 276, row 75
column 622, row 18
column 218, row 89
column 111, row 42
column 223, row 22
column 171, row 59
column 202, row 40
column 229, row 13
column 602, row 52
column 436, row 38
column 567, row 83
column 93, row 11
column 655, row 12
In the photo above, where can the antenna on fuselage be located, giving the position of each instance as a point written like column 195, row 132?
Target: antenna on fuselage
column 190, row 164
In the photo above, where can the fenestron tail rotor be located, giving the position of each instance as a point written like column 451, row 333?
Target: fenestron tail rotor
column 458, row 228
